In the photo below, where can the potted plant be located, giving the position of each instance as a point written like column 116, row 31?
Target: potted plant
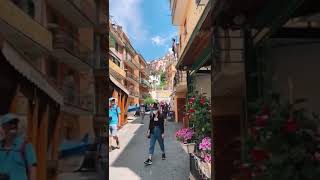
column 205, row 148
column 283, row 142
column 185, row 136
column 199, row 114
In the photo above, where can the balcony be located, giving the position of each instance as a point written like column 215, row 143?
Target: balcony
column 131, row 63
column 180, row 81
column 116, row 70
column 178, row 11
column 79, row 12
column 133, row 93
column 69, row 50
column 116, row 53
column 22, row 31
column 145, row 83
column 130, row 76
column 74, row 100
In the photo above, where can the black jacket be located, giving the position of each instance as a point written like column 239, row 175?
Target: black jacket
column 160, row 123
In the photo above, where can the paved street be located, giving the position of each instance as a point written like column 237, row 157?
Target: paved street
column 127, row 163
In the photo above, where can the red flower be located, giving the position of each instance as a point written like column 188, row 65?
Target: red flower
column 261, row 121
column 191, row 100
column 245, row 170
column 317, row 156
column 191, row 110
column 202, row 101
column 259, row 155
column 258, row 171
column 265, row 110
column 254, row 132
column 291, row 126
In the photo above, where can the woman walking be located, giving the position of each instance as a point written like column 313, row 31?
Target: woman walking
column 155, row 133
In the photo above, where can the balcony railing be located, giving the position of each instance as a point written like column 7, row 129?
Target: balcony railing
column 132, row 76
column 180, row 77
column 81, row 12
column 66, row 41
column 74, row 97
column 19, row 27
column 145, row 82
column 133, row 93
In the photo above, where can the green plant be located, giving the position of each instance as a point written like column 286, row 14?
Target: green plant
column 283, row 142
column 148, row 100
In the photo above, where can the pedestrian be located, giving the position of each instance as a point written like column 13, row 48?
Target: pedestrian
column 155, row 133
column 142, row 112
column 114, row 113
column 17, row 156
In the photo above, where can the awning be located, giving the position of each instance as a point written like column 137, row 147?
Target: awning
column 28, row 71
column 118, row 84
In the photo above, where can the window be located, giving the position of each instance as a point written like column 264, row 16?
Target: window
column 185, row 28
column 52, row 69
column 116, row 61
column 26, row 6
column 117, row 47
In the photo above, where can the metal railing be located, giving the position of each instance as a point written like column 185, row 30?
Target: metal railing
column 145, row 82
column 72, row 96
column 65, row 40
column 132, row 76
column 179, row 77
column 86, row 8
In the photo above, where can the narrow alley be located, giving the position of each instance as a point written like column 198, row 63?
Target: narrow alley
column 127, row 162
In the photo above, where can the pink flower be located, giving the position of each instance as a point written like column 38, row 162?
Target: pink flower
column 207, row 158
column 184, row 134
column 205, row 144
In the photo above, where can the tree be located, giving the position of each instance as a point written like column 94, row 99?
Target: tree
column 148, row 100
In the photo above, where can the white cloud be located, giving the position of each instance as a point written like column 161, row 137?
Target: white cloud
column 157, row 40
column 165, row 40
column 128, row 14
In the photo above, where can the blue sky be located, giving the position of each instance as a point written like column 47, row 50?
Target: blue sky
column 147, row 23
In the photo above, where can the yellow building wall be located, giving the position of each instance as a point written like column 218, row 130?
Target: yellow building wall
column 191, row 18
column 86, row 125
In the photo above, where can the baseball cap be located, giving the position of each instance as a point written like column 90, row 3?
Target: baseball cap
column 7, row 118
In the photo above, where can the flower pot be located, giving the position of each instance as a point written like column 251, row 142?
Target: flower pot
column 205, row 169
column 188, row 147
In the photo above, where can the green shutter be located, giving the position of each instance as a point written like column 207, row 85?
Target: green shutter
column 112, row 41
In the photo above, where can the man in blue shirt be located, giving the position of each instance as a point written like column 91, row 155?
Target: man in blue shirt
column 114, row 114
column 17, row 157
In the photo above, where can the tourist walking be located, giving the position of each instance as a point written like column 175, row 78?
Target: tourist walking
column 155, row 133
column 114, row 113
column 17, row 157
column 142, row 112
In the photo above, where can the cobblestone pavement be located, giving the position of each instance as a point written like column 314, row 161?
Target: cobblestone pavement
column 127, row 162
